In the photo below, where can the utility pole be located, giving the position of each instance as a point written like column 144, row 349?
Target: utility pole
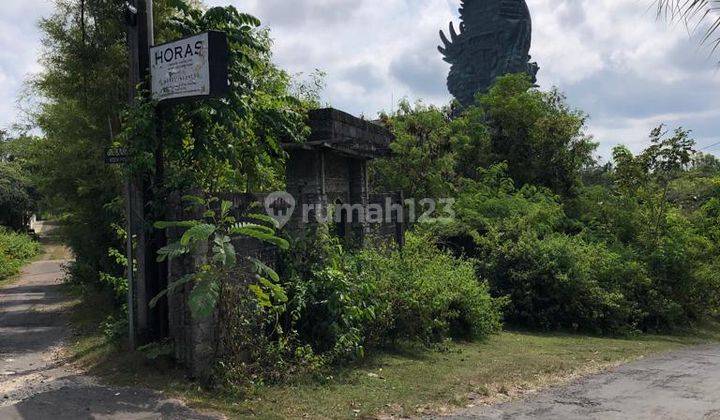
column 131, row 20
column 157, row 278
column 140, row 37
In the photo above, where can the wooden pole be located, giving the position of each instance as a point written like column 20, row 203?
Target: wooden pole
column 140, row 36
column 133, row 81
column 130, row 265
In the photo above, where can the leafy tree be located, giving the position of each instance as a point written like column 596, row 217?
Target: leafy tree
column 423, row 159
column 83, row 88
column 18, row 195
column 537, row 134
column 17, row 198
column 650, row 174
column 705, row 164
column 228, row 144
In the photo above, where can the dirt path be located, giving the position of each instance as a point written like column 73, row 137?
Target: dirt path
column 679, row 385
column 35, row 383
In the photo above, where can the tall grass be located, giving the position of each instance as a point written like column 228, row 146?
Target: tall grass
column 16, row 249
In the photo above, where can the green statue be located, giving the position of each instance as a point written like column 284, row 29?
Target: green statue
column 494, row 40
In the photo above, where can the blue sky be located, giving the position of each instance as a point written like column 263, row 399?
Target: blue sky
column 611, row 58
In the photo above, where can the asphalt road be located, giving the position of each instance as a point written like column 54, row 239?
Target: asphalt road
column 36, row 383
column 680, row 385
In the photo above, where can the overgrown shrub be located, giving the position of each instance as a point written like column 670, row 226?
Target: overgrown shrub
column 330, row 307
column 613, row 268
column 15, row 250
column 343, row 304
column 428, row 295
column 679, row 261
column 561, row 282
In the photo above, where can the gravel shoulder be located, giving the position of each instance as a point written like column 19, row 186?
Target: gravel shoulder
column 37, row 383
column 683, row 384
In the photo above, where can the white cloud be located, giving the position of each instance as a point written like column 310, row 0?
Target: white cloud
column 19, row 46
column 614, row 60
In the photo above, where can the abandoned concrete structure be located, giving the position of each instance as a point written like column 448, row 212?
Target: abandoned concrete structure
column 331, row 167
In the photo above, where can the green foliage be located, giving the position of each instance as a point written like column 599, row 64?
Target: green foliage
column 611, row 268
column 428, row 295
column 17, row 198
column 561, row 282
column 679, row 265
column 538, row 136
column 557, row 248
column 344, row 305
column 18, row 194
column 494, row 203
column 229, row 144
column 553, row 280
column 216, row 230
column 83, row 86
column 648, row 177
column 537, row 133
column 423, row 148
column 16, row 249
column 329, row 307
column 222, row 144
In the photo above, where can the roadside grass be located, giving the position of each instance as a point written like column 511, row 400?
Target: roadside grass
column 405, row 382
column 16, row 251
column 8, row 281
column 51, row 249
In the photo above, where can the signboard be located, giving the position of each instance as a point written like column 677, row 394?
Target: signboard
column 193, row 67
column 116, row 155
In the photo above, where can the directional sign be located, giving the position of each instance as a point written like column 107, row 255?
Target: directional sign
column 193, row 67
column 116, row 155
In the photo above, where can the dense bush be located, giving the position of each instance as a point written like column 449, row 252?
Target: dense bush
column 15, row 250
column 629, row 245
column 330, row 308
column 343, row 304
column 614, row 268
column 536, row 134
column 679, row 261
column 562, row 282
column 428, row 295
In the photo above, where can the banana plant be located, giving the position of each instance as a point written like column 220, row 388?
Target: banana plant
column 217, row 228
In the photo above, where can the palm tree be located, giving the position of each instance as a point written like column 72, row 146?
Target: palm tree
column 694, row 14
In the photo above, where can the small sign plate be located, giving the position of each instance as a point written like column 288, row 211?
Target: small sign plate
column 116, row 155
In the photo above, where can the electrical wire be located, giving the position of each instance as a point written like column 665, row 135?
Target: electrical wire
column 710, row 147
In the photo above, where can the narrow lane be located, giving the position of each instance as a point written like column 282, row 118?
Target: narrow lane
column 36, row 383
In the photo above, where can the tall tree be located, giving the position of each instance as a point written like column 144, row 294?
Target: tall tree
column 83, row 89
column 224, row 144
column 537, row 134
